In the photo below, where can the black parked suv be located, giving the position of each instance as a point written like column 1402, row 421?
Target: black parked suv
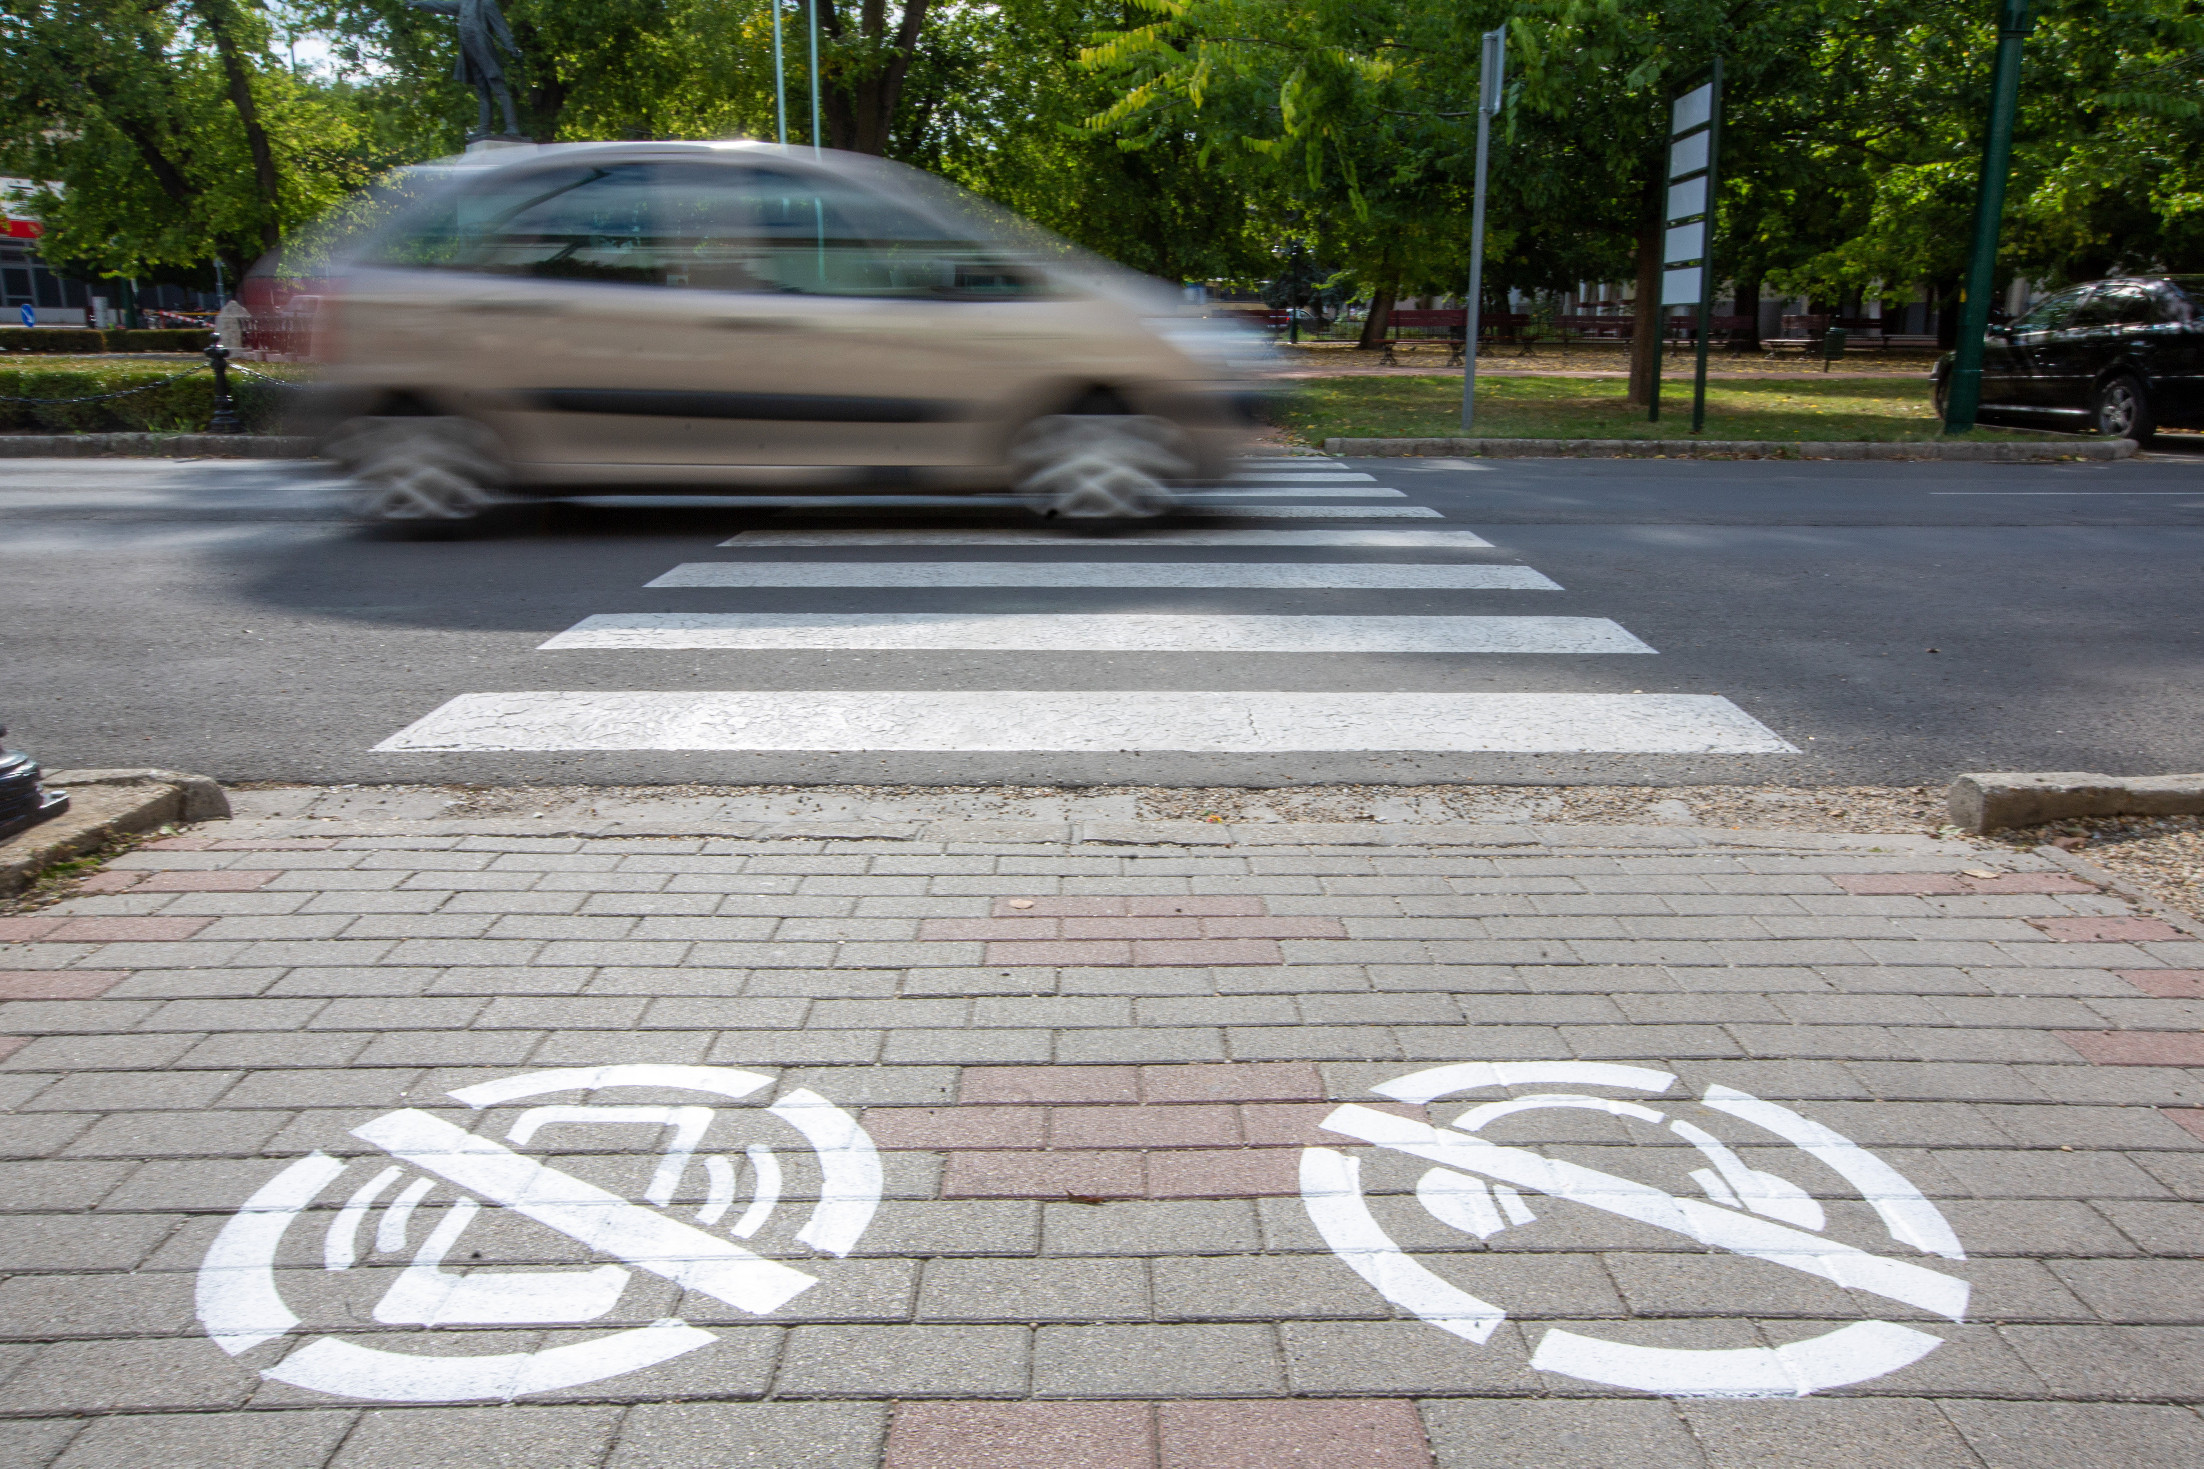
column 2124, row 357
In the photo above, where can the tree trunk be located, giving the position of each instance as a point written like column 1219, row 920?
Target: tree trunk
column 1748, row 306
column 1645, row 327
column 216, row 14
column 1381, row 316
column 859, row 109
column 1945, row 295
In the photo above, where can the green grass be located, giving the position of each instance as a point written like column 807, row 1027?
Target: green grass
column 1782, row 410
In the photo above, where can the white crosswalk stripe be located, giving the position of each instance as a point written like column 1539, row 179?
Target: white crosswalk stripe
column 1108, row 721
column 1295, row 492
column 1401, row 540
column 1285, row 575
column 1040, row 632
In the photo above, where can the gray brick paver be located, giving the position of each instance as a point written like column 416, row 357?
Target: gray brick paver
column 388, row 972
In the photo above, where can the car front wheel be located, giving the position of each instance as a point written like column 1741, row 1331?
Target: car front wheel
column 423, row 475
column 2121, row 410
column 1104, row 466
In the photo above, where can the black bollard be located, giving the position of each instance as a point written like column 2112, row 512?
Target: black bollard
column 225, row 410
column 22, row 803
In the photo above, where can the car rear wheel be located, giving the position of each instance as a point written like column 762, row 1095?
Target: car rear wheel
column 1098, row 467
column 2121, row 410
column 423, row 475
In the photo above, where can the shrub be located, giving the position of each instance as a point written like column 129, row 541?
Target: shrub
column 170, row 339
column 51, row 339
column 173, row 397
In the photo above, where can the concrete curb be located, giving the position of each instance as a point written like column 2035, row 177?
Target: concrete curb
column 2000, row 453
column 1177, row 834
column 155, row 446
column 1994, row 800
column 104, row 804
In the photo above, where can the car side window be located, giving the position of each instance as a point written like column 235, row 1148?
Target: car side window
column 2098, row 309
column 579, row 224
column 764, row 229
column 2051, row 313
column 2135, row 305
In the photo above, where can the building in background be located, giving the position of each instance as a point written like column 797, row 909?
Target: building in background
column 59, row 300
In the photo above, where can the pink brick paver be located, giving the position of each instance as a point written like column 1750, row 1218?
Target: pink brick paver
column 2167, row 984
column 2137, row 1047
column 217, row 880
column 59, row 984
column 1022, row 1436
column 114, row 880
column 27, row 930
column 1198, row 1125
column 1132, row 928
column 1373, row 1434
column 10, row 1044
column 2107, row 930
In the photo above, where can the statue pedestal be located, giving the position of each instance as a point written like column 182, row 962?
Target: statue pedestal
column 490, row 145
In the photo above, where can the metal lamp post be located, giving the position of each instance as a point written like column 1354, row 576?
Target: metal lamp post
column 780, row 83
column 1965, row 396
column 811, row 7
column 1489, row 82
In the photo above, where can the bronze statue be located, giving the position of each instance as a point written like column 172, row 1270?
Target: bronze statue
column 482, row 31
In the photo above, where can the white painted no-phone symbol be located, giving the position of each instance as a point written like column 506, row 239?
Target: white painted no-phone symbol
column 1479, row 1187
column 681, row 1225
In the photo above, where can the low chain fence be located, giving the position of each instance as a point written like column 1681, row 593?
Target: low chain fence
column 126, row 400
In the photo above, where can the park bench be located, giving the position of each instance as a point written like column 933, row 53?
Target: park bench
column 1448, row 325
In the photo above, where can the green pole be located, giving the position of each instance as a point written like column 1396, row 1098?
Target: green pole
column 1706, row 263
column 780, row 82
column 1965, row 397
column 1491, row 78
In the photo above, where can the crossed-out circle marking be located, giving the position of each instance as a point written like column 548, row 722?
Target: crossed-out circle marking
column 1747, row 1211
column 241, row 1307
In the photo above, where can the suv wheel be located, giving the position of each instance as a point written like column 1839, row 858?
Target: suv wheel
column 1077, row 466
column 2120, row 409
column 422, row 474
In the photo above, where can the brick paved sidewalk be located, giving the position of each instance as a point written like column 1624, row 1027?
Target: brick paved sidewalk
column 1156, row 1112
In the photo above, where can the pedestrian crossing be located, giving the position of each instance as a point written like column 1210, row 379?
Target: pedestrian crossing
column 1073, row 720
column 1267, row 575
column 1053, row 632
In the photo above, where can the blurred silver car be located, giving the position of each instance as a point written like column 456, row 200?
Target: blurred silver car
column 716, row 318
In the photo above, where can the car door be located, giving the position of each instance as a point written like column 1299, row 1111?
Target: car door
column 2019, row 343
column 828, row 325
column 2064, row 360
column 2147, row 336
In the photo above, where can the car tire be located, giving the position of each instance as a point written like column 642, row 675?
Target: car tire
column 2120, row 409
column 1100, row 466
column 1940, row 395
column 424, row 475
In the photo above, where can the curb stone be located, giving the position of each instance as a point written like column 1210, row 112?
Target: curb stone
column 2002, row 453
column 105, row 804
column 156, row 446
column 1983, row 801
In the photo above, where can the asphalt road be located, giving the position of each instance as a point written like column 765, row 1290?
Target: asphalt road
column 1896, row 623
